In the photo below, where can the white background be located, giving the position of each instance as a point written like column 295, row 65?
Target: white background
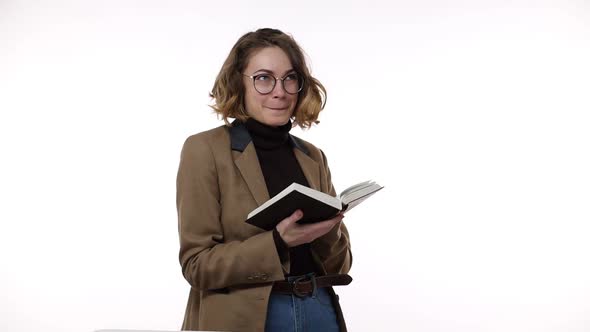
column 473, row 114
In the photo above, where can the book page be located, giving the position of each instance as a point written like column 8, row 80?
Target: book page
column 359, row 191
column 359, row 199
column 355, row 188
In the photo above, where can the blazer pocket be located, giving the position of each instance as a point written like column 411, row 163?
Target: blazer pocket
column 224, row 290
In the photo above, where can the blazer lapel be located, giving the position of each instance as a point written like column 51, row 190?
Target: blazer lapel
column 246, row 160
column 247, row 163
column 310, row 168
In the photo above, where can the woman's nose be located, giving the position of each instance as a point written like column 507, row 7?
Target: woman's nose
column 279, row 89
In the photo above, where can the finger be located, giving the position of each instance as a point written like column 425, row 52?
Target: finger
column 298, row 214
column 320, row 226
column 338, row 217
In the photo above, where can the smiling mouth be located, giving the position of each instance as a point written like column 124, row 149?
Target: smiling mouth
column 278, row 108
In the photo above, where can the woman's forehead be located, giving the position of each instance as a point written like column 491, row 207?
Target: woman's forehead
column 269, row 59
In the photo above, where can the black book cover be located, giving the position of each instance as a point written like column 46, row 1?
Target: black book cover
column 313, row 211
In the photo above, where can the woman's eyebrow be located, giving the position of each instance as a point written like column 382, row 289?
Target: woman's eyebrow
column 272, row 72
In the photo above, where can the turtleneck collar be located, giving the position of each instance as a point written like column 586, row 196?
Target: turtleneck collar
column 268, row 137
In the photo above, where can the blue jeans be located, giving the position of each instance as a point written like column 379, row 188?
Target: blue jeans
column 290, row 313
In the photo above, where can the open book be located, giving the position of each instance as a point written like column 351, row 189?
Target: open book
column 316, row 205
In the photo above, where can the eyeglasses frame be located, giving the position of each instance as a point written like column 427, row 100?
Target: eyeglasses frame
column 253, row 77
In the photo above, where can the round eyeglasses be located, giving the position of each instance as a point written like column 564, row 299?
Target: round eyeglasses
column 265, row 83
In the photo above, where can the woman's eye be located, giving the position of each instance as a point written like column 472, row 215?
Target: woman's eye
column 262, row 77
column 291, row 77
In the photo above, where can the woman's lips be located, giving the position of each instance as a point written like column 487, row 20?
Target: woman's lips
column 278, row 108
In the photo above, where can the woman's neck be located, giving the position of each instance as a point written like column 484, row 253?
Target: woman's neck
column 265, row 136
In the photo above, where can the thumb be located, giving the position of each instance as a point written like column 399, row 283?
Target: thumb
column 298, row 214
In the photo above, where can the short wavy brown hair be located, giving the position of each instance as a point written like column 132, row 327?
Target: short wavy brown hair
column 229, row 90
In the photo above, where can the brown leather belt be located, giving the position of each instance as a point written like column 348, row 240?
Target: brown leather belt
column 304, row 285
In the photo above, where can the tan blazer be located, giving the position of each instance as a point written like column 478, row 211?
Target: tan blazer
column 231, row 265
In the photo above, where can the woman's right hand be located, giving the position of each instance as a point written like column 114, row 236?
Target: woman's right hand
column 295, row 234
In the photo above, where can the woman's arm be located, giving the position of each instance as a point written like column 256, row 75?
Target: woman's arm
column 208, row 262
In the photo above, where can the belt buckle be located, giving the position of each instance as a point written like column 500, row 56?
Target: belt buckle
column 296, row 291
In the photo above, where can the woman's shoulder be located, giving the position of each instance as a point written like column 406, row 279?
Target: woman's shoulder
column 205, row 141
column 212, row 136
column 309, row 148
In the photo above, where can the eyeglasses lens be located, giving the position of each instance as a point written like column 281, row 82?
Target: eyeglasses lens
column 265, row 83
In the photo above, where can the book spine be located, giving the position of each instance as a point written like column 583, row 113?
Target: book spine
column 344, row 207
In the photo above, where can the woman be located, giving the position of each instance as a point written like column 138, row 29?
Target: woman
column 244, row 278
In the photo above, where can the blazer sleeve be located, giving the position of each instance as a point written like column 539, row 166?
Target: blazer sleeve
column 333, row 248
column 207, row 260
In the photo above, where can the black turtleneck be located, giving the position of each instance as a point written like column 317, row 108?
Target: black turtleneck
column 280, row 168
